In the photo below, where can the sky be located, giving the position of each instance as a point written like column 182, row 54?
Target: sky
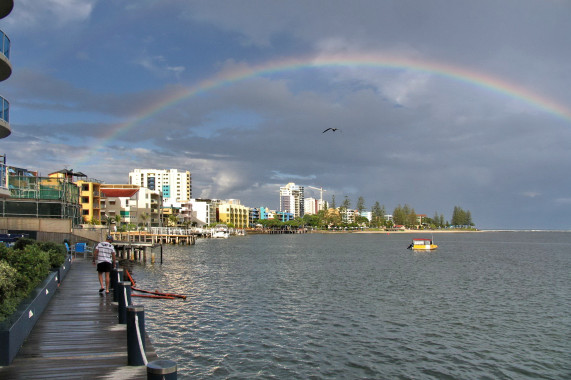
column 438, row 103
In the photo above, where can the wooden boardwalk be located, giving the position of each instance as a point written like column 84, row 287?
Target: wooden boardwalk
column 78, row 335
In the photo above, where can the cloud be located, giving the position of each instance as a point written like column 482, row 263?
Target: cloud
column 31, row 14
column 158, row 66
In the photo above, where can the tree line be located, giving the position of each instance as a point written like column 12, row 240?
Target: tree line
column 402, row 215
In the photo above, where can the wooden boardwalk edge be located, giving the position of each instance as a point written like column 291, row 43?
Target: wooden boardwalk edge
column 78, row 335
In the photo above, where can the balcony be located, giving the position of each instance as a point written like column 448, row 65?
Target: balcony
column 4, row 118
column 5, row 66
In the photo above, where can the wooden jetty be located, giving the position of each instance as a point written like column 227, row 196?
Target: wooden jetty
column 77, row 336
column 281, row 231
column 155, row 238
column 136, row 251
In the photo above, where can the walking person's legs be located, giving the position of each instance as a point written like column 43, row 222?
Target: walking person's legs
column 107, row 281
column 101, row 288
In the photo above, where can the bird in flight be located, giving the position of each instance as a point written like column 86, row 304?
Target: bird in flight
column 333, row 129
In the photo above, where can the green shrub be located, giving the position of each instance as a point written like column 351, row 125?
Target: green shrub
column 23, row 242
column 4, row 251
column 8, row 295
column 24, row 268
column 7, row 277
column 57, row 252
column 32, row 264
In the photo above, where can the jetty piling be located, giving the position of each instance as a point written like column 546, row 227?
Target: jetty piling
column 136, row 330
column 117, row 277
column 162, row 370
column 124, row 300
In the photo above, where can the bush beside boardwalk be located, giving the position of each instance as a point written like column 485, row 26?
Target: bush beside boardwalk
column 30, row 273
column 23, row 267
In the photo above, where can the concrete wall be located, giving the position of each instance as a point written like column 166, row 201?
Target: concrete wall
column 56, row 230
column 35, row 224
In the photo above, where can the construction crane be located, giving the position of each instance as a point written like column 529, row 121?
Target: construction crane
column 321, row 192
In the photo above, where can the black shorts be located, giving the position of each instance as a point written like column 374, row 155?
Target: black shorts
column 104, row 267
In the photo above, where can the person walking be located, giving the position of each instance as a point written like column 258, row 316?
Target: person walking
column 104, row 255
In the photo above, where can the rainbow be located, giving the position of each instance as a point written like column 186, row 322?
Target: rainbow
column 225, row 78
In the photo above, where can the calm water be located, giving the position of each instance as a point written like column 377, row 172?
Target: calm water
column 493, row 305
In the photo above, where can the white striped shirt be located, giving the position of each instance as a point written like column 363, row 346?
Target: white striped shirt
column 105, row 252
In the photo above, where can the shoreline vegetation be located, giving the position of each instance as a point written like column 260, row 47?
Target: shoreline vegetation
column 396, row 231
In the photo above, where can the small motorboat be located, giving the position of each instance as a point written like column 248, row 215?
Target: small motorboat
column 422, row 244
column 221, row 231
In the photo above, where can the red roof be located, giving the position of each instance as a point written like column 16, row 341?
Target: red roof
column 119, row 193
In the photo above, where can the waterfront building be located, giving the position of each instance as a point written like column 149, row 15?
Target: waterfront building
column 175, row 185
column 283, row 216
column 312, row 206
column 368, row 215
column 292, row 199
column 271, row 214
column 232, row 212
column 90, row 200
column 347, row 215
column 212, row 209
column 265, row 213
column 253, row 217
column 133, row 204
column 32, row 196
column 197, row 211
column 89, row 193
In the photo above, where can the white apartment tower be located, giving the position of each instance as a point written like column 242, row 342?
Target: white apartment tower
column 312, row 206
column 292, row 199
column 175, row 186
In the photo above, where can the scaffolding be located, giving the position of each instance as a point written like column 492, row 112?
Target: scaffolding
column 41, row 197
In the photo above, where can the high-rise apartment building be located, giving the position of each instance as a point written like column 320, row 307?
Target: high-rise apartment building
column 312, row 206
column 292, row 199
column 175, row 185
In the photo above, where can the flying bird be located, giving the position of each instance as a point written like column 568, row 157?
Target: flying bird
column 333, row 129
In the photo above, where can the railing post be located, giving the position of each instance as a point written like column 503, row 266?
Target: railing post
column 117, row 277
column 161, row 369
column 136, row 335
column 124, row 300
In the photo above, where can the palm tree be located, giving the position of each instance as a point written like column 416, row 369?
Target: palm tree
column 173, row 220
column 145, row 219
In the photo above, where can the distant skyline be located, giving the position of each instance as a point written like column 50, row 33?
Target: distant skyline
column 437, row 104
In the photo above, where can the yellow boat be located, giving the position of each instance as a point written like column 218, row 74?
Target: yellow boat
column 423, row 244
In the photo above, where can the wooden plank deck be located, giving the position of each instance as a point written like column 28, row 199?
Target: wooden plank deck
column 77, row 336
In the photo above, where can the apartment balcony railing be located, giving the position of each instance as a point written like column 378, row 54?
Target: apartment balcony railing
column 5, row 47
column 4, row 118
column 5, row 66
